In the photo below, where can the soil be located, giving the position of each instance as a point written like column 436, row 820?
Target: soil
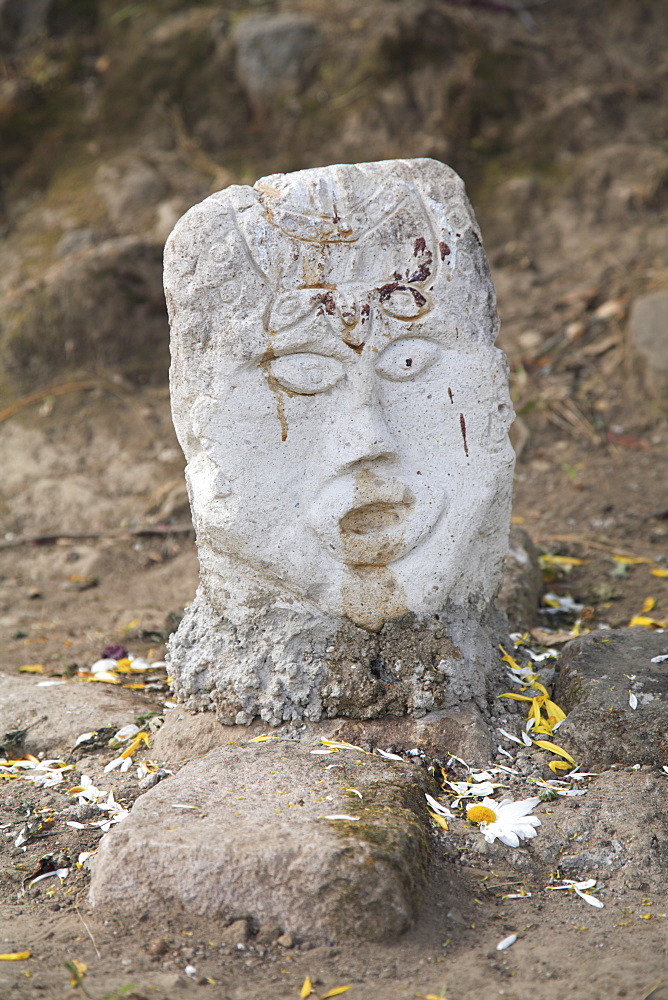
column 560, row 134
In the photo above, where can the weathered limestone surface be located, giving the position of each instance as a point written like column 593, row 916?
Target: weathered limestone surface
column 257, row 843
column 344, row 417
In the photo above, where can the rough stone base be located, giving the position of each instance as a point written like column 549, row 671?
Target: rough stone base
column 284, row 665
column 244, row 833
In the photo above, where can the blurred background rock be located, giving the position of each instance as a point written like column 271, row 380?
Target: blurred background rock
column 116, row 116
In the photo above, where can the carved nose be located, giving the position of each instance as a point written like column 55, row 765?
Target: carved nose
column 363, row 434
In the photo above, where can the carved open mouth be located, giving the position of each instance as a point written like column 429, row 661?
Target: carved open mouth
column 373, row 518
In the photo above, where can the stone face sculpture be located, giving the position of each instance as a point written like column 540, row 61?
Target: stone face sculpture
column 344, row 417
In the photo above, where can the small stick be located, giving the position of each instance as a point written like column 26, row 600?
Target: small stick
column 54, row 390
column 157, row 529
column 88, row 931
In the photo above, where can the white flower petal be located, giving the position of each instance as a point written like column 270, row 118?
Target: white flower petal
column 85, row 737
column 588, row 898
column 506, row 943
column 439, row 809
column 127, row 732
column 113, row 764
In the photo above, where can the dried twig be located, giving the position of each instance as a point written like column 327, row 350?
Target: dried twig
column 88, row 931
column 54, row 390
column 52, row 537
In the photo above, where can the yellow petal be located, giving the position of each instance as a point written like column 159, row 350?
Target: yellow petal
column 32, row 668
column 659, row 572
column 439, row 819
column 335, row 992
column 507, row 658
column 307, row 985
column 136, row 743
column 553, row 709
column 262, row 738
column 647, row 622
column 546, row 745
column 550, row 560
column 648, row 605
column 631, row 560
column 14, row 956
column 558, row 765
column 516, row 697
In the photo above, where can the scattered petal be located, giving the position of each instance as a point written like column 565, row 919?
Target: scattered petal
column 441, row 810
column 62, row 874
column 85, row 737
column 507, row 942
column 127, row 732
column 633, row 701
column 113, row 764
column 352, row 819
column 14, row 956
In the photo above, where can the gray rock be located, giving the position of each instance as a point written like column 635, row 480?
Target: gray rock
column 617, row 831
column 238, row 932
column 522, row 580
column 131, row 188
column 596, row 675
column 648, row 323
column 103, row 306
column 22, row 22
column 258, row 842
column 275, row 55
column 74, row 241
column 54, row 716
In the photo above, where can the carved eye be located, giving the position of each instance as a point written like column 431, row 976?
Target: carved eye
column 306, row 374
column 405, row 359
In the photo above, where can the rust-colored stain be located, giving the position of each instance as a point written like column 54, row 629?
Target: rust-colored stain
column 357, row 348
column 452, row 398
column 462, row 424
column 370, row 591
column 420, row 246
column 278, row 392
column 444, row 250
column 422, row 273
column 327, row 302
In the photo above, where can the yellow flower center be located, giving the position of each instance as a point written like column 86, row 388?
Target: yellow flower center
column 480, row 814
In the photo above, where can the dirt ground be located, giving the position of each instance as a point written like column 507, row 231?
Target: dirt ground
column 96, row 547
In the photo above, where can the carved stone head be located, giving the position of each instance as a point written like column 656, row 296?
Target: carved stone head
column 335, row 390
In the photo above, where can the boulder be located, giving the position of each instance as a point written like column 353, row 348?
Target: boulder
column 277, row 834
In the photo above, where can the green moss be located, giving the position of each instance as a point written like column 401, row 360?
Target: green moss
column 387, row 858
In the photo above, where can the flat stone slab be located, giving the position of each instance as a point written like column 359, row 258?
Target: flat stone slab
column 53, row 715
column 597, row 675
column 462, row 731
column 248, row 832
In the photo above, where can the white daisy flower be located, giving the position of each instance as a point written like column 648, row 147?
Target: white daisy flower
column 506, row 821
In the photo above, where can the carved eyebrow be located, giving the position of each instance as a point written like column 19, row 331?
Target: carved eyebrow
column 298, row 339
